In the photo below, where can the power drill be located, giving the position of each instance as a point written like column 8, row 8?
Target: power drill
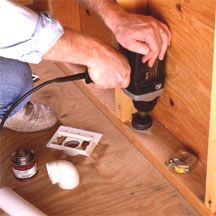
column 146, row 85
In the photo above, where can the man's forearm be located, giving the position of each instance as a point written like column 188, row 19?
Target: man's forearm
column 72, row 47
column 106, row 67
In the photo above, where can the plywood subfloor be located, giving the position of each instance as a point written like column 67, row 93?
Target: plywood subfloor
column 157, row 144
column 116, row 180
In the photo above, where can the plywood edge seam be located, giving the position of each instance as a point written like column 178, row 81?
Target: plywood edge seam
column 179, row 185
column 210, row 198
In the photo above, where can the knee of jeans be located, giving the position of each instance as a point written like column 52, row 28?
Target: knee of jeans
column 23, row 78
column 16, row 80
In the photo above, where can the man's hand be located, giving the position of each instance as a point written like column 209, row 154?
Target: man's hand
column 144, row 35
column 137, row 33
column 106, row 66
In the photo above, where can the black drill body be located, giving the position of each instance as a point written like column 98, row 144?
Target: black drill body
column 146, row 85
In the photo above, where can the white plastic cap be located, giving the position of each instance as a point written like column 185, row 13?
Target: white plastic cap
column 64, row 173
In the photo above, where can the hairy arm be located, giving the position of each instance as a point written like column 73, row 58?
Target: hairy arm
column 106, row 66
column 138, row 33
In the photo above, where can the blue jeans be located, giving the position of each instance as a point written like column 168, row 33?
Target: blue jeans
column 15, row 80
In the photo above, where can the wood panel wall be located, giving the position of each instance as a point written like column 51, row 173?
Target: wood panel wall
column 77, row 17
column 92, row 25
column 24, row 2
column 36, row 5
column 185, row 105
column 67, row 12
column 39, row 5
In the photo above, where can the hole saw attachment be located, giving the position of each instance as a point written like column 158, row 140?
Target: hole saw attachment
column 146, row 86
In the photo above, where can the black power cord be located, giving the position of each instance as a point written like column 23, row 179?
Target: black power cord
column 73, row 77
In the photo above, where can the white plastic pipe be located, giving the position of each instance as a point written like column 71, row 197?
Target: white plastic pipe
column 15, row 205
column 64, row 173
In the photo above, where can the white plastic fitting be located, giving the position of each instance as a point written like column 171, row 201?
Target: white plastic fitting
column 15, row 205
column 64, row 173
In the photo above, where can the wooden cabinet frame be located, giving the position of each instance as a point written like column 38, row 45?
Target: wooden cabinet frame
column 159, row 143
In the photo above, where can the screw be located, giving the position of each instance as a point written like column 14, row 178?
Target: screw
column 87, row 12
column 179, row 7
column 171, row 102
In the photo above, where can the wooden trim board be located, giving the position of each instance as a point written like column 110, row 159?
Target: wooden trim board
column 157, row 145
column 210, row 199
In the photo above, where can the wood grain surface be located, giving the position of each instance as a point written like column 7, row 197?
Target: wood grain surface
column 67, row 12
column 115, row 181
column 157, row 145
column 24, row 2
column 184, row 108
column 92, row 25
column 135, row 6
column 210, row 199
column 185, row 104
